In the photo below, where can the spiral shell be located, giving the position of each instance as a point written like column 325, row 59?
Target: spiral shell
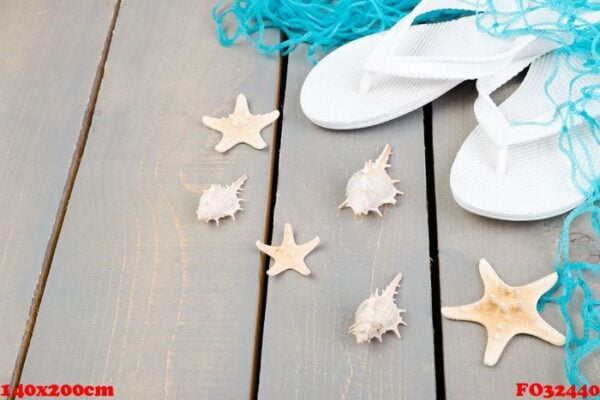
column 220, row 201
column 371, row 187
column 378, row 314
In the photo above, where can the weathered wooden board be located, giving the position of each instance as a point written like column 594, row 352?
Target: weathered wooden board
column 520, row 252
column 50, row 54
column 142, row 295
column 307, row 352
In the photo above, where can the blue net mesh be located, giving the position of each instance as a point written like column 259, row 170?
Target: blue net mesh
column 321, row 24
column 572, row 24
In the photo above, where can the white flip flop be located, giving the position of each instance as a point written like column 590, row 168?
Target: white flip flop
column 384, row 76
column 517, row 172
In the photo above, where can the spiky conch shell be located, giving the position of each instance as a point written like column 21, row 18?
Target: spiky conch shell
column 378, row 314
column 371, row 187
column 220, row 201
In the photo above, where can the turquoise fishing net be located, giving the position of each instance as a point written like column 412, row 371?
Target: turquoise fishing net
column 321, row 24
column 572, row 24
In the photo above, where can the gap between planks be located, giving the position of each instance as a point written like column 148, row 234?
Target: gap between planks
column 263, row 278
column 436, row 301
column 64, row 202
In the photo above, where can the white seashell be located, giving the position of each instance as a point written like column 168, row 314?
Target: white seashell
column 371, row 187
column 378, row 314
column 290, row 255
column 241, row 126
column 506, row 311
column 220, row 201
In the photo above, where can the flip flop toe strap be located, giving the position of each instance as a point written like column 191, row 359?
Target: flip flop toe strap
column 494, row 122
column 491, row 55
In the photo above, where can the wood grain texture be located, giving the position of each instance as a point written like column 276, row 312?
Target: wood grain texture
column 141, row 294
column 307, row 352
column 50, row 55
column 520, row 253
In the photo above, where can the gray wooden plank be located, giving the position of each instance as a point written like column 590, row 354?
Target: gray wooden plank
column 50, row 55
column 142, row 295
column 307, row 352
column 520, row 252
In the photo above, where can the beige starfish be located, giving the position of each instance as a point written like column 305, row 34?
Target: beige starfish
column 241, row 126
column 289, row 255
column 506, row 311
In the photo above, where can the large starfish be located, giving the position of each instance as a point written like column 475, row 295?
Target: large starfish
column 289, row 255
column 506, row 311
column 241, row 126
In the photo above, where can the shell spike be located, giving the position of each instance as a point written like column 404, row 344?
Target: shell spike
column 382, row 160
column 352, row 327
column 237, row 185
column 390, row 289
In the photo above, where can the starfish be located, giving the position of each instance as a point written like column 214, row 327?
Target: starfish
column 289, row 255
column 506, row 311
column 241, row 126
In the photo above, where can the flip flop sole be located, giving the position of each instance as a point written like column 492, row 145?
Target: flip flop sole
column 330, row 94
column 537, row 184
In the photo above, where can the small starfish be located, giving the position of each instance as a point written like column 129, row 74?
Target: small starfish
column 241, row 126
column 289, row 255
column 506, row 311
